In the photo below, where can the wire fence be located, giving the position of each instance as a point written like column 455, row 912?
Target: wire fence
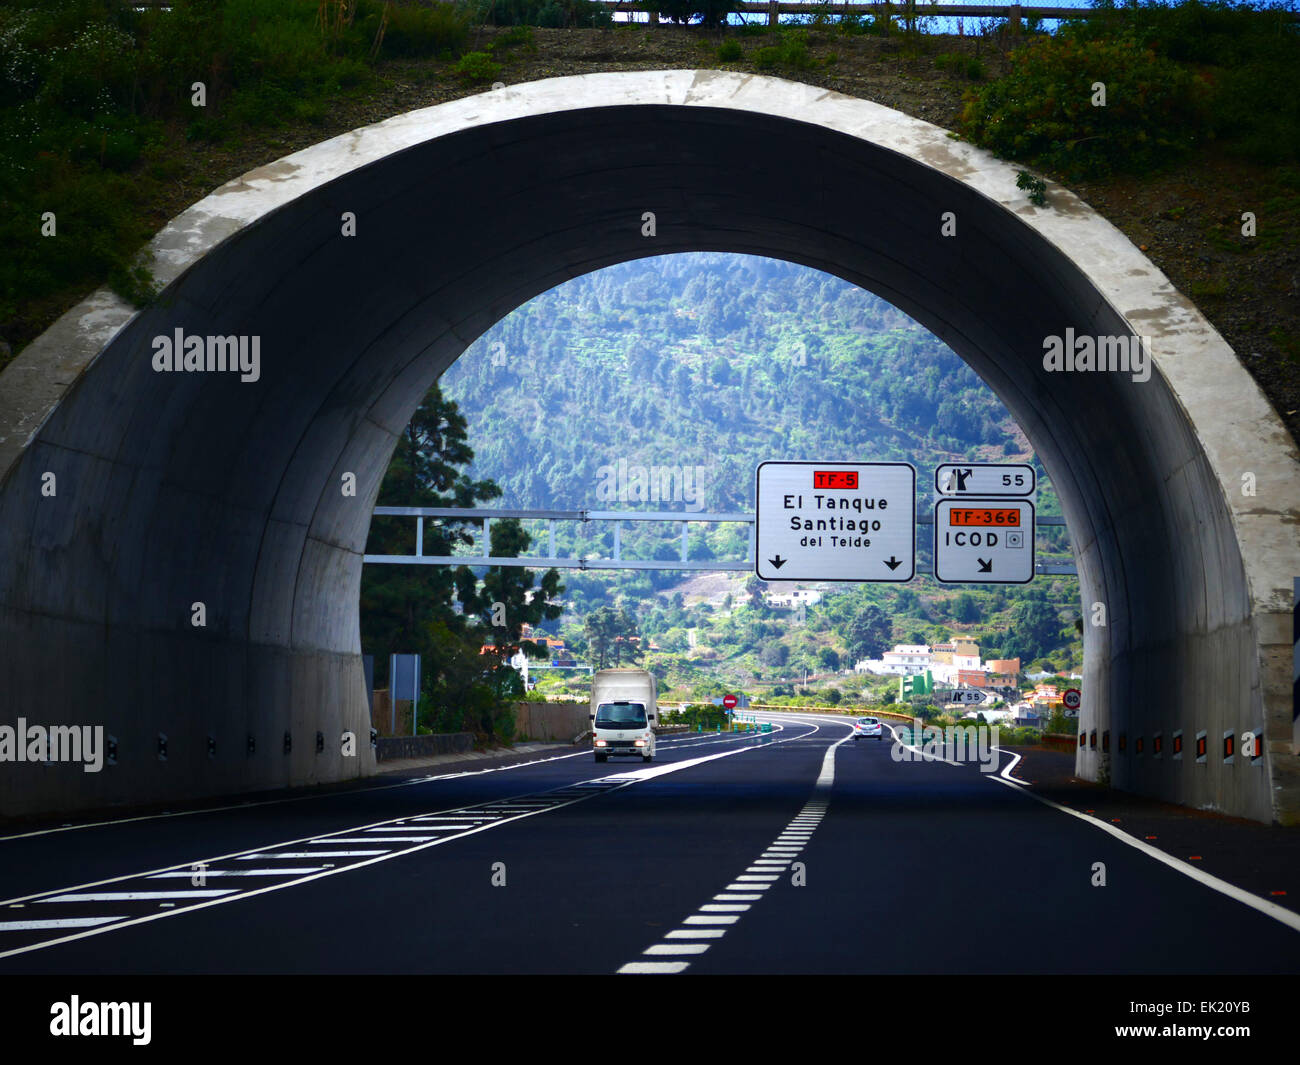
column 934, row 16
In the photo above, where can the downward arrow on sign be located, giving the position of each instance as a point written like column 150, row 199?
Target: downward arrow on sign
column 892, row 562
column 778, row 562
column 985, row 567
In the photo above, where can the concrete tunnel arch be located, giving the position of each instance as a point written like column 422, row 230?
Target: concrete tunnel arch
column 177, row 488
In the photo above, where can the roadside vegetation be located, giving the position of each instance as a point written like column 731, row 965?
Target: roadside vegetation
column 1137, row 90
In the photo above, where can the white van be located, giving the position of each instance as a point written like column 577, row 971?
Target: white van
column 623, row 712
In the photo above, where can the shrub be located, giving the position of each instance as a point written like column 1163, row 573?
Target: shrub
column 730, row 51
column 423, row 31
column 477, row 67
column 1042, row 111
column 1035, row 186
column 550, row 14
column 966, row 65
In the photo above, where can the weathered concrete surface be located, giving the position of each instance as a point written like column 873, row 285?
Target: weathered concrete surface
column 180, row 488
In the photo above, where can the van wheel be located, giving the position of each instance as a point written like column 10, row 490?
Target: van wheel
column 647, row 758
column 601, row 757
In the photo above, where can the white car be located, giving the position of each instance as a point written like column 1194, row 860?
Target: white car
column 867, row 726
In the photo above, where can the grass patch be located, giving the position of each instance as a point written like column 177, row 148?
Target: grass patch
column 966, row 66
column 92, row 92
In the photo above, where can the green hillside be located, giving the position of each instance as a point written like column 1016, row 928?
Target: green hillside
column 707, row 364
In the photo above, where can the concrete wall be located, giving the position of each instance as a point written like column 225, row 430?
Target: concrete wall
column 394, row 747
column 177, row 488
column 551, row 721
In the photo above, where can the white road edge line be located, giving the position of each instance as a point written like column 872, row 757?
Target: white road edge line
column 1209, row 880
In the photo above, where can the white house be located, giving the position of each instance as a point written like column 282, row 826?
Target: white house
column 903, row 661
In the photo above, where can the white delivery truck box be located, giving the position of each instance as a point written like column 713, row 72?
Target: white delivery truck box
column 623, row 712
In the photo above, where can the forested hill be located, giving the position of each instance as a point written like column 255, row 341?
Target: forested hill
column 714, row 361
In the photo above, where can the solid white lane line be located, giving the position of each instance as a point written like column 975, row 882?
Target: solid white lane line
column 1006, row 771
column 136, row 896
column 58, row 922
column 1209, row 880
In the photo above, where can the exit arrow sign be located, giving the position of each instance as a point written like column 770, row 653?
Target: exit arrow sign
column 835, row 521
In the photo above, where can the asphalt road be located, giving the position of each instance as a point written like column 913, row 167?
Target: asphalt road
column 789, row 853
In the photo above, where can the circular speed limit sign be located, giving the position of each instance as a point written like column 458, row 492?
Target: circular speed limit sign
column 1072, row 698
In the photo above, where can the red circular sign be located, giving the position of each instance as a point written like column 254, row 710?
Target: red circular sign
column 1072, row 698
column 730, row 701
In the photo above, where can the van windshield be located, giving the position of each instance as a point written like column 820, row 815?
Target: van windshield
column 620, row 715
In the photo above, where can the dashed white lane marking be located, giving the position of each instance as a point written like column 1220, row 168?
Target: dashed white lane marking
column 372, row 839
column 467, row 821
column 58, row 922
column 237, row 872
column 137, row 896
column 648, row 967
column 308, row 854
column 726, row 909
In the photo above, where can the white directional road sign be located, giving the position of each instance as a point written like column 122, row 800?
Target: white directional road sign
column 965, row 696
column 985, row 479
column 984, row 541
column 835, row 521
